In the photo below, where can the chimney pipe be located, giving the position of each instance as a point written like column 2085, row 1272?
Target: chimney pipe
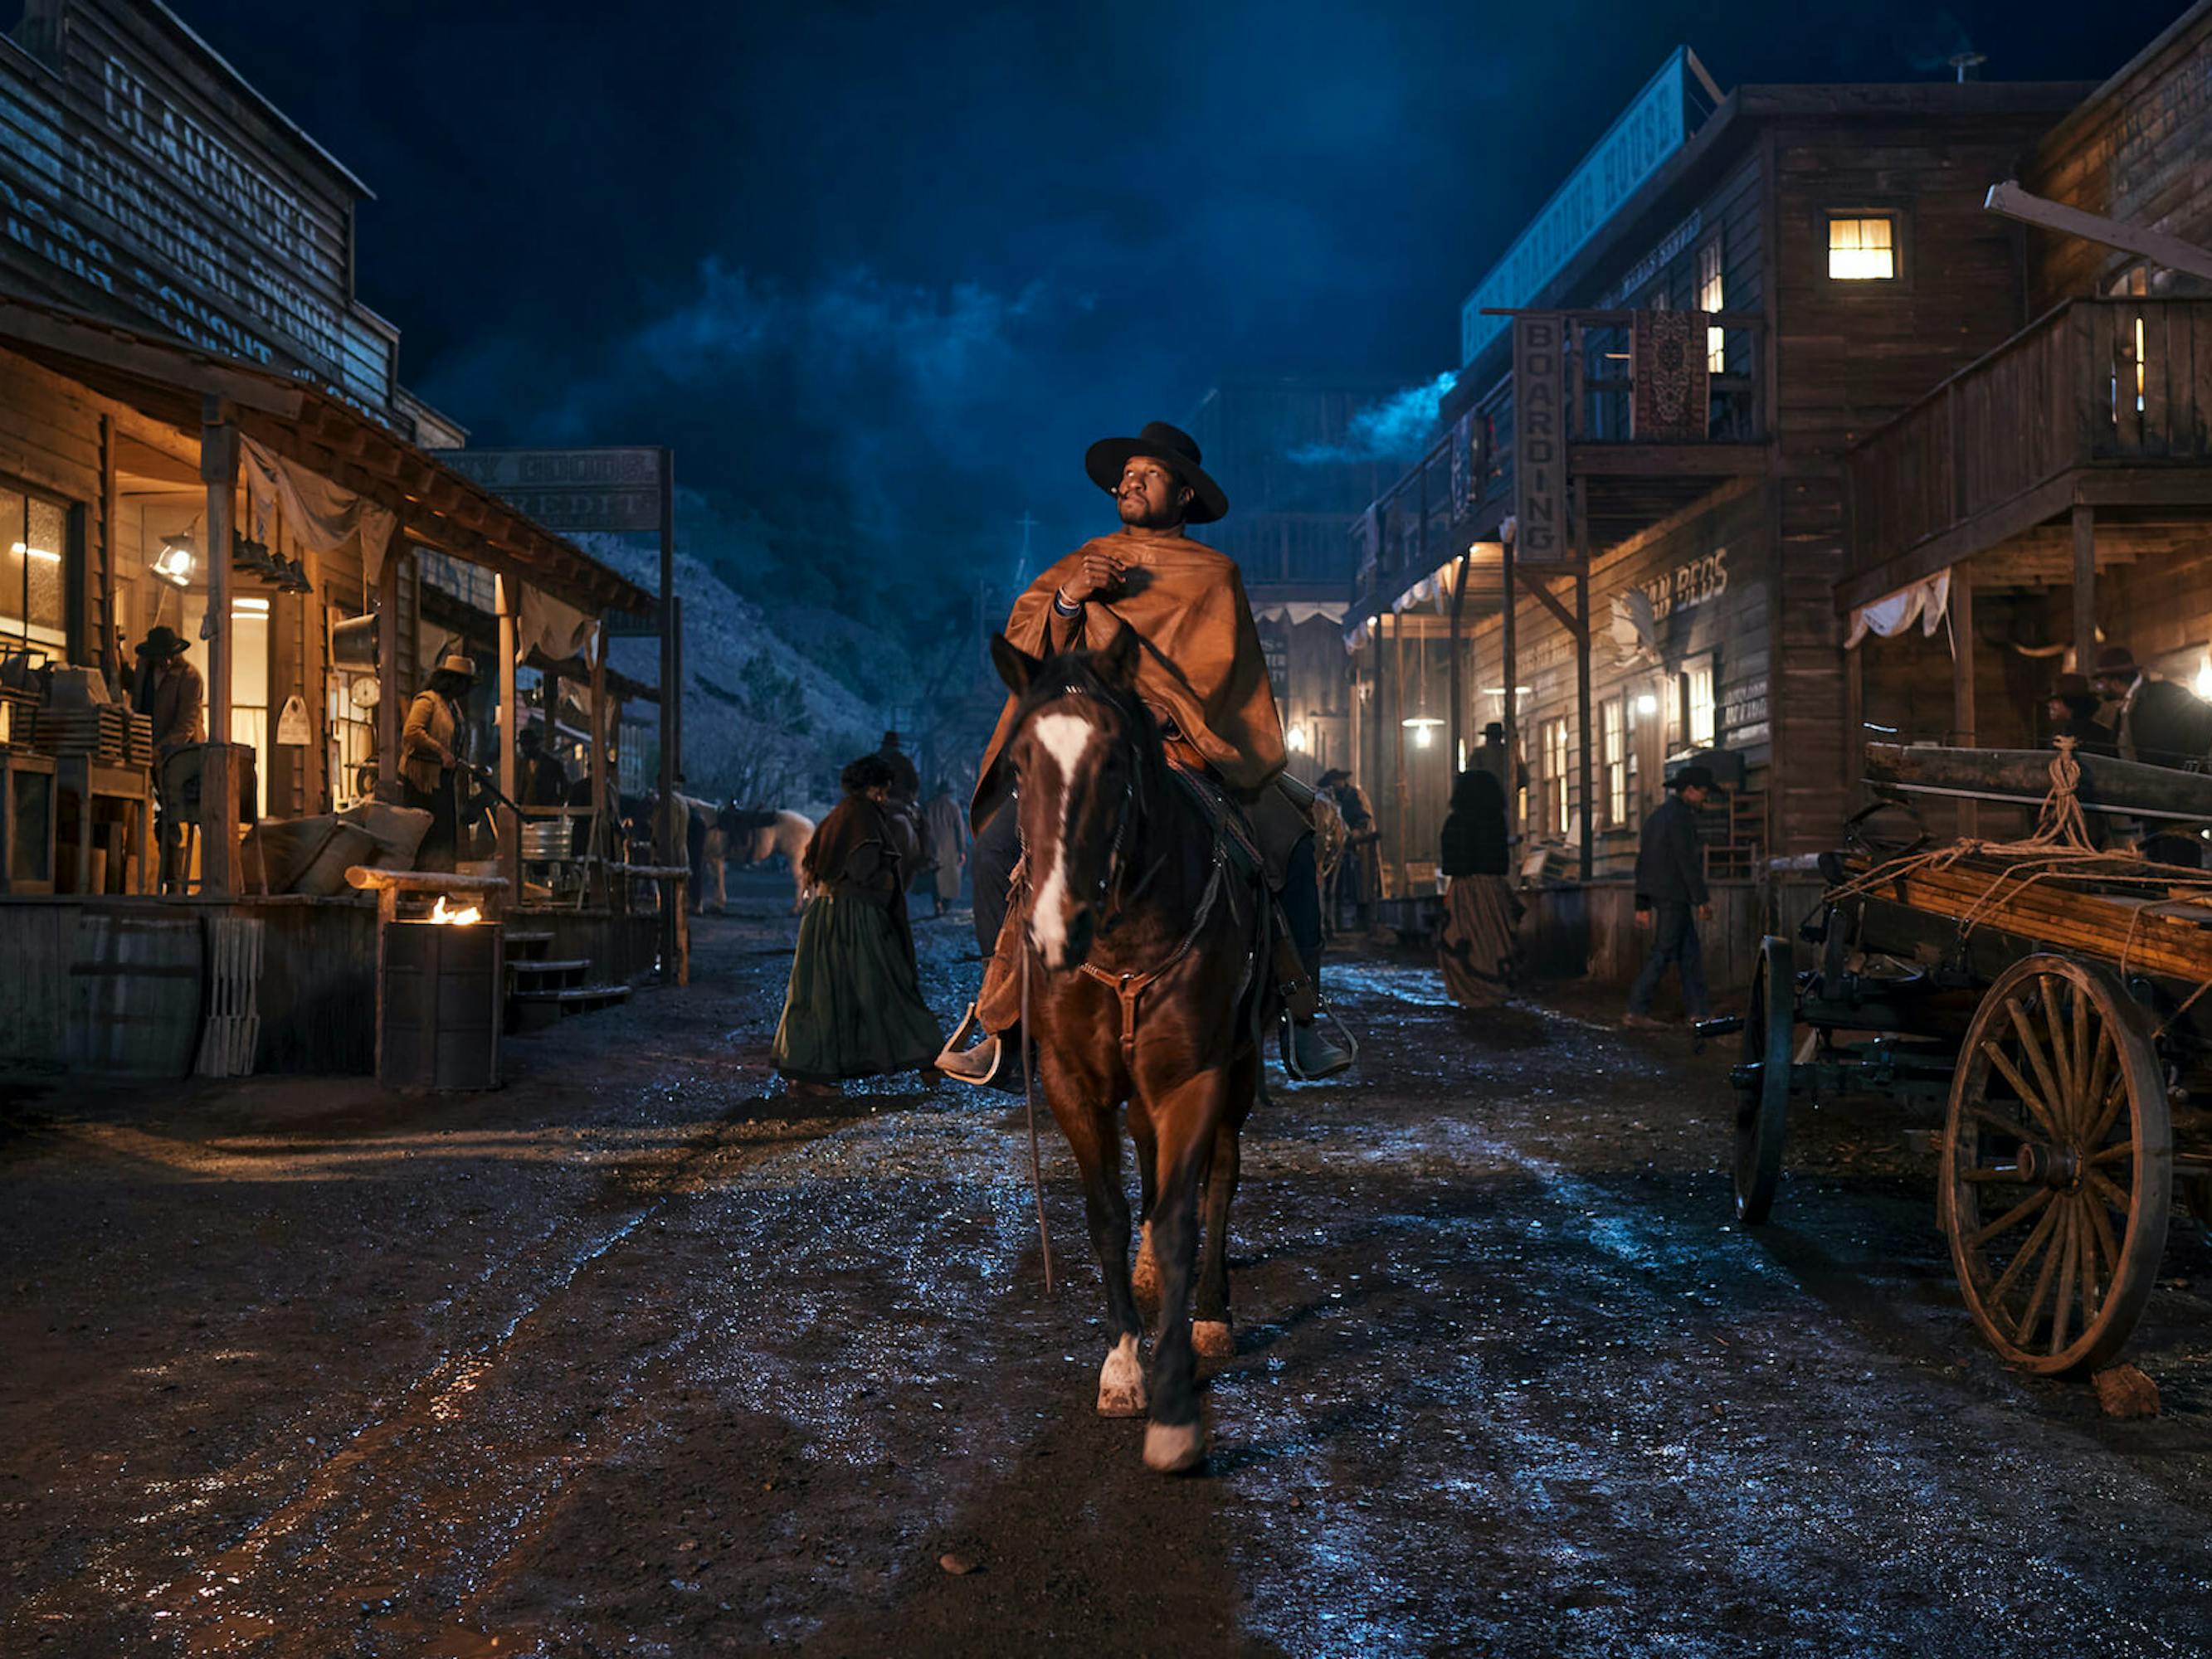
column 1969, row 64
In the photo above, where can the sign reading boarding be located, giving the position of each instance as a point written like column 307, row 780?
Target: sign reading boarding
column 1641, row 138
column 571, row 489
column 1540, row 453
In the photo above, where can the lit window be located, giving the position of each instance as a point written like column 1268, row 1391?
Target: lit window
column 1712, row 296
column 1698, row 699
column 33, row 583
column 1556, row 752
column 1862, row 250
column 1612, row 729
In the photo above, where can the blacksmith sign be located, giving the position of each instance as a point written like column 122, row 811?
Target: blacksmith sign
column 142, row 180
column 1539, row 447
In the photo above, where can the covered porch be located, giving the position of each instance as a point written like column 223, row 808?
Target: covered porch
column 315, row 564
column 2052, row 497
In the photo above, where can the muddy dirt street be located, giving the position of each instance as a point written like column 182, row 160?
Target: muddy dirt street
column 640, row 1356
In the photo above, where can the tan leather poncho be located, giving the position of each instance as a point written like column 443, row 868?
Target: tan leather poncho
column 1201, row 667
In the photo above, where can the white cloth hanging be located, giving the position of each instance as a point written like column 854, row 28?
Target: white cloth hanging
column 317, row 511
column 560, row 630
column 1924, row 602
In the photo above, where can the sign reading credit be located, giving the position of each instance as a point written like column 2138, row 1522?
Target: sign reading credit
column 571, row 489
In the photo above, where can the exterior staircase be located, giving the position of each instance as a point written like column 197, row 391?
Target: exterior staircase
column 542, row 990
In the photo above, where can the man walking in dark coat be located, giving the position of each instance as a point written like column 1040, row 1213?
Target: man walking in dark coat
column 1671, row 897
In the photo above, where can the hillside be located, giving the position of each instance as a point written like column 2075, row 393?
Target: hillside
column 763, row 725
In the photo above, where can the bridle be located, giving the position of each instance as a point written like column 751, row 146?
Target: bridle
column 1112, row 905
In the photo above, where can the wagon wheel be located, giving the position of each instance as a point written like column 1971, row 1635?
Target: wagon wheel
column 1762, row 1106
column 2058, row 1164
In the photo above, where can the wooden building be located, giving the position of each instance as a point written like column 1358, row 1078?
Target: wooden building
column 1808, row 259
column 201, row 427
column 1285, row 450
column 2055, row 490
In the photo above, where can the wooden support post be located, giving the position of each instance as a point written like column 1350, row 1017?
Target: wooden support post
column 508, row 601
column 2085, row 590
column 1962, row 680
column 219, row 859
column 392, row 697
column 112, row 661
column 602, row 727
column 1458, row 679
column 673, row 843
column 1582, row 680
column 1509, row 669
column 1854, row 716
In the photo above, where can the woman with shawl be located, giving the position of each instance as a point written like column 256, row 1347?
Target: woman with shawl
column 1476, row 949
column 854, row 1008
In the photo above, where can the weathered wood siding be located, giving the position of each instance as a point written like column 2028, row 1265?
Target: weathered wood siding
column 2140, row 150
column 1850, row 355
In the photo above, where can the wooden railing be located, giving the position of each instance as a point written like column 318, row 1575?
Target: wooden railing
column 1424, row 521
column 2125, row 382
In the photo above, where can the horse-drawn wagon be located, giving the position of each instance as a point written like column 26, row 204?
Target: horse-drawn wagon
column 2051, row 997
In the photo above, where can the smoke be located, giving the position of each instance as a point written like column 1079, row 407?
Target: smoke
column 1396, row 428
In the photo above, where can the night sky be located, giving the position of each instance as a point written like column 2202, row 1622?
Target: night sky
column 880, row 272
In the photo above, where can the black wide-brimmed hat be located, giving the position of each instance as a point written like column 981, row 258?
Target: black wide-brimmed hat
column 1176, row 448
column 162, row 640
column 1696, row 776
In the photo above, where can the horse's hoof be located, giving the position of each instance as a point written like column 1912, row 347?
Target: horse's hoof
column 1121, row 1382
column 1212, row 1339
column 1145, row 1275
column 1172, row 1448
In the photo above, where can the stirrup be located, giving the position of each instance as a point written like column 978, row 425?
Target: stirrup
column 964, row 1064
column 1289, row 1044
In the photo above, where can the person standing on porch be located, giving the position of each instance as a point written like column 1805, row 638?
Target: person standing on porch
column 433, row 757
column 1672, row 898
column 168, row 691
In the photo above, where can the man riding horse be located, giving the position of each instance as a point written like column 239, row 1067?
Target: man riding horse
column 1200, row 670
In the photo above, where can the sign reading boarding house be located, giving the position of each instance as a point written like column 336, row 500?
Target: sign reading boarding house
column 571, row 489
column 1635, row 146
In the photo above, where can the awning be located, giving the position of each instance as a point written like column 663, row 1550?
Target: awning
column 283, row 419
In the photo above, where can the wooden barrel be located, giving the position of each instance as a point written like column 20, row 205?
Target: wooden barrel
column 135, row 994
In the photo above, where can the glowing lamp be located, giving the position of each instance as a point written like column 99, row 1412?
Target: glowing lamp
column 174, row 561
column 1296, row 738
column 1647, row 704
column 1423, row 728
column 45, row 555
column 2204, row 679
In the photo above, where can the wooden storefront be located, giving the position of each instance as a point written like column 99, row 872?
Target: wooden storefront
column 2055, row 494
column 1835, row 238
column 201, row 427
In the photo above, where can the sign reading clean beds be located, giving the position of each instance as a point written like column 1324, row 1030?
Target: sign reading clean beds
column 1641, row 138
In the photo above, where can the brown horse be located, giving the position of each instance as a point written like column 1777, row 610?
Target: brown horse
column 1145, row 956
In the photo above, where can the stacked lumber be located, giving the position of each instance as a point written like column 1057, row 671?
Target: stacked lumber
column 2023, row 776
column 2157, row 930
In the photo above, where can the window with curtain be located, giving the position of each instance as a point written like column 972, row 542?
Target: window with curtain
column 1612, row 736
column 1861, row 247
column 1558, row 758
column 1698, row 705
column 34, row 572
column 1712, row 296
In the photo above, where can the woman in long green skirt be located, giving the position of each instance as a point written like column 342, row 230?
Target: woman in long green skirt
column 854, row 1008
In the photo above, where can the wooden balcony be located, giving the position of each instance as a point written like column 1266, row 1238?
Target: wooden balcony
column 2105, row 403
column 1631, row 481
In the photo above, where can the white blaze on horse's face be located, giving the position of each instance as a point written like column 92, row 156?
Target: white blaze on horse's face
column 1064, row 737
